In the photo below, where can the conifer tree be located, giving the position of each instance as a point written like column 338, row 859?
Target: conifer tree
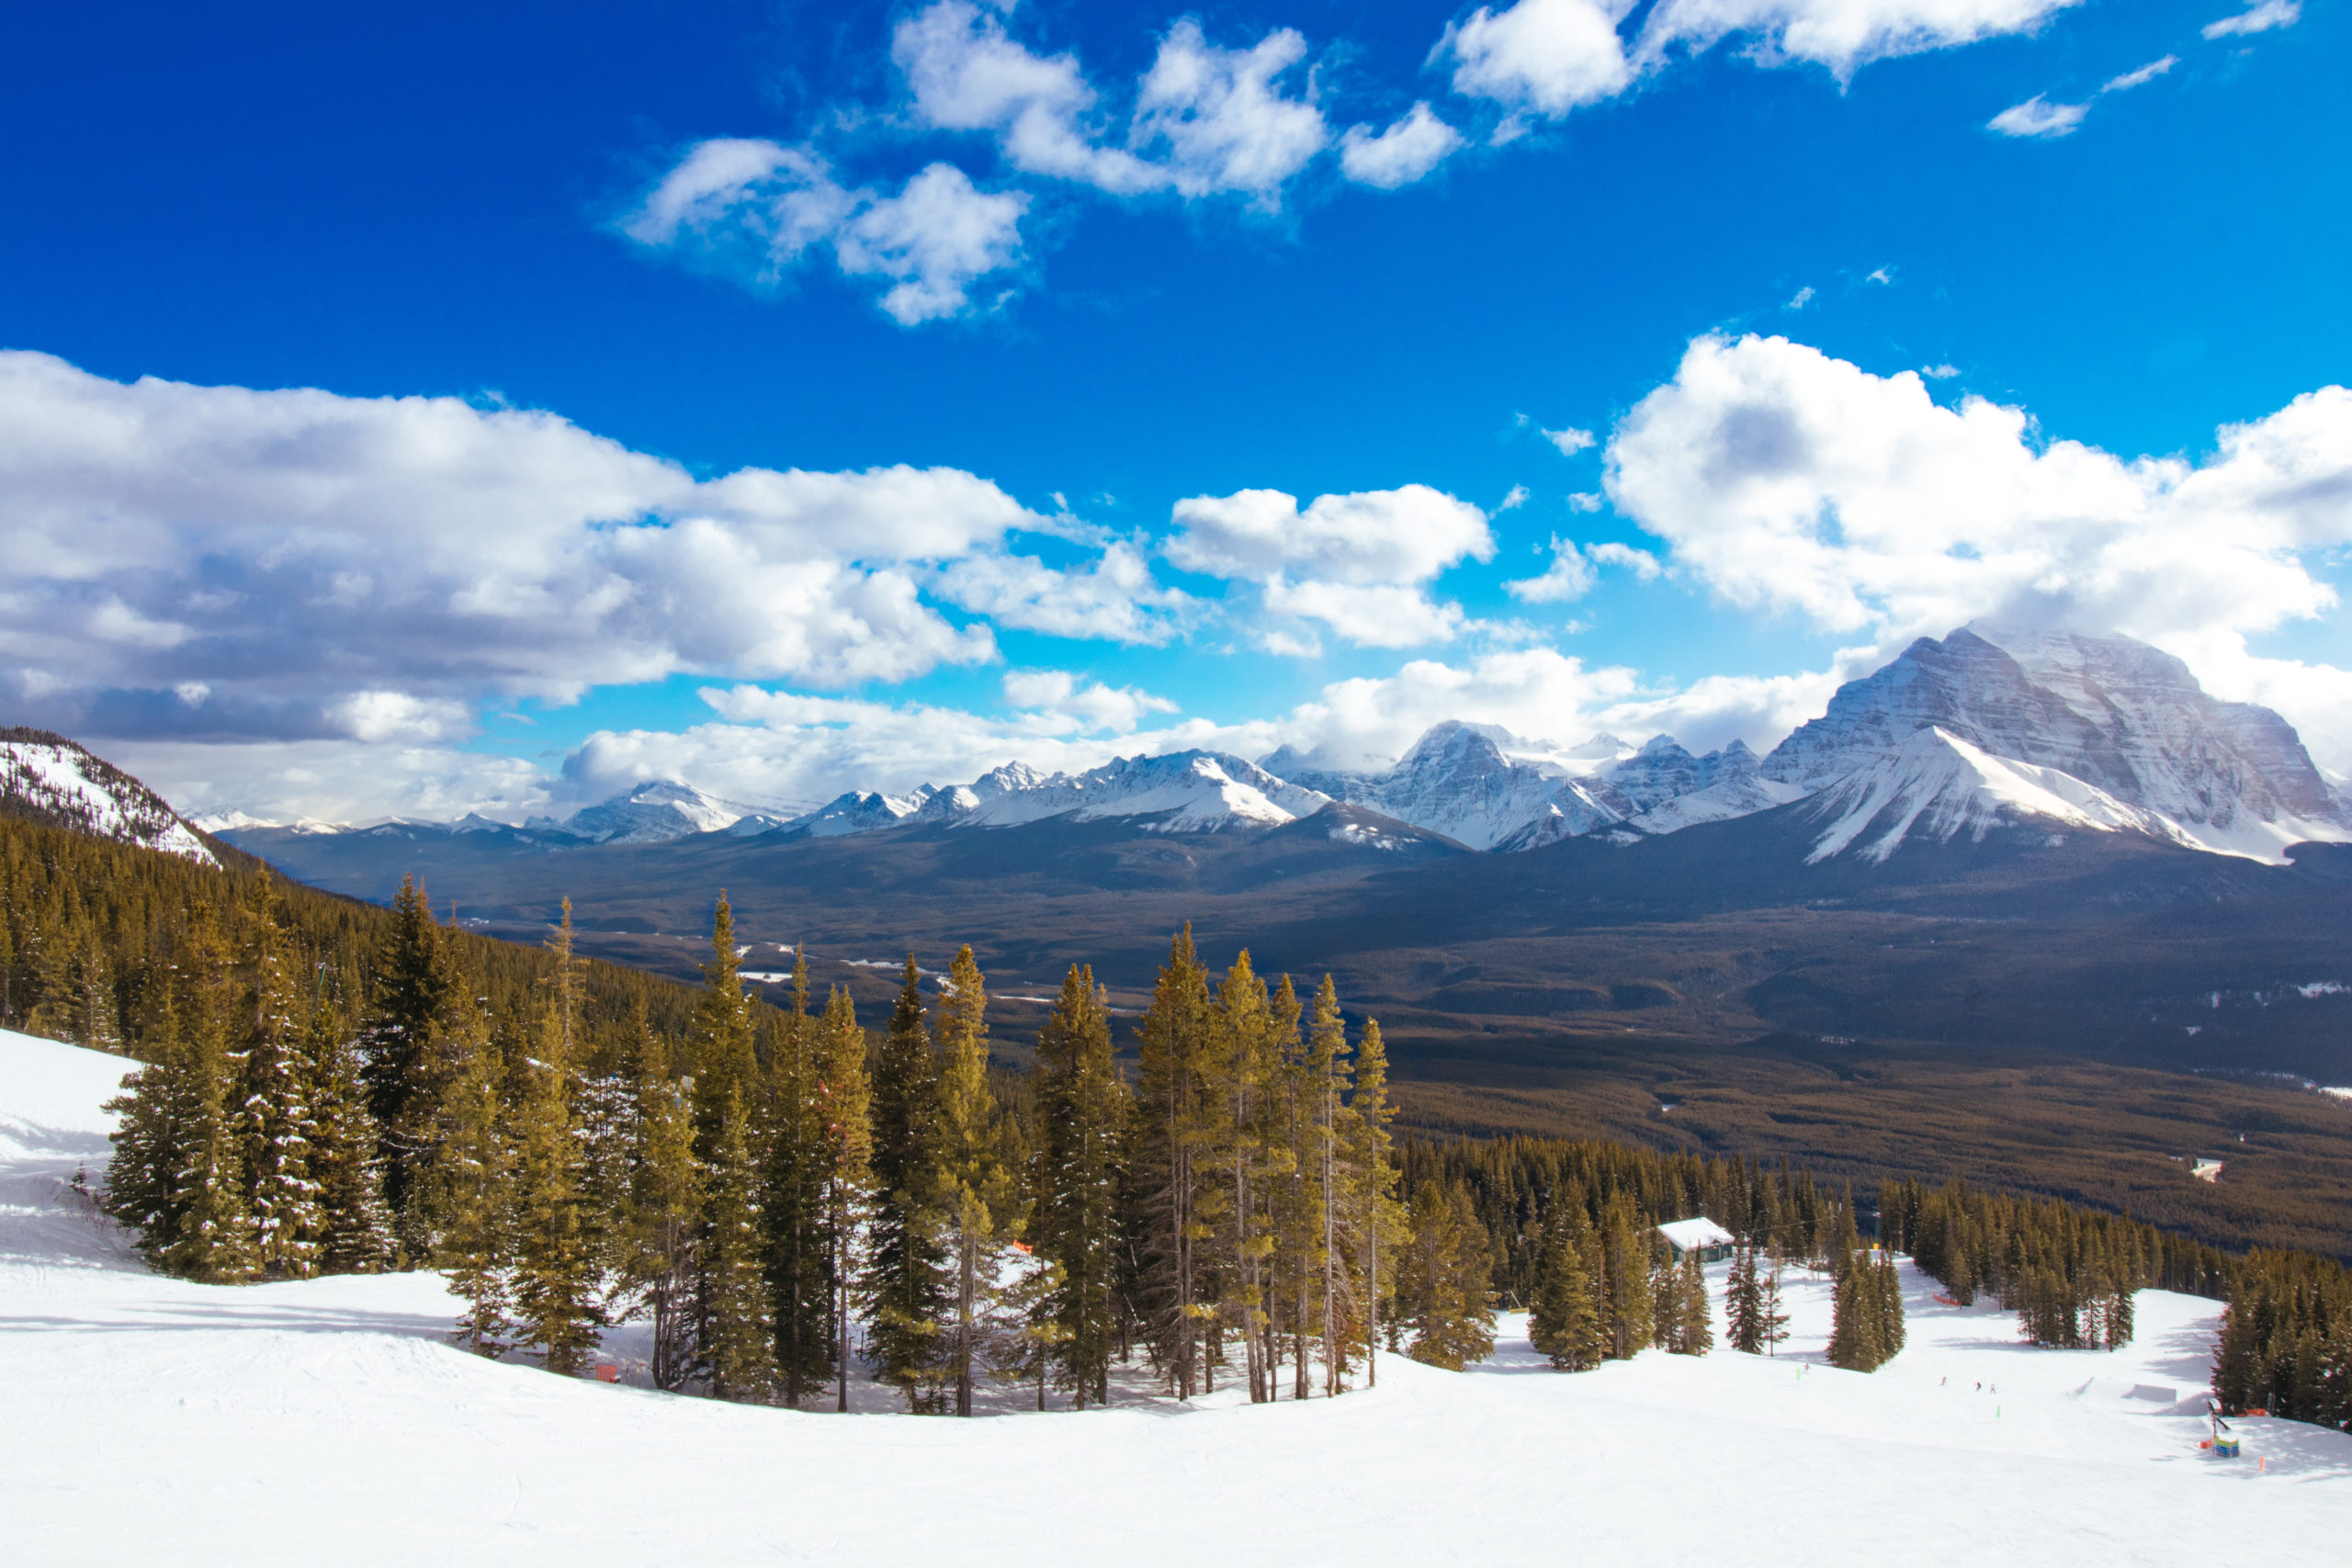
column 344, row 1143
column 151, row 1134
column 737, row 1329
column 799, row 1249
column 1695, row 1329
column 724, row 1061
column 555, row 1289
column 1373, row 1211
column 1563, row 1320
column 467, row 1187
column 975, row 1193
column 274, row 1116
column 415, row 983
column 908, row 1286
column 1744, row 1302
column 1442, row 1288
column 666, row 1209
column 1626, row 1252
column 844, row 1107
column 212, row 1238
column 1081, row 1109
column 1326, row 1075
column 1175, row 1164
column 1771, row 1315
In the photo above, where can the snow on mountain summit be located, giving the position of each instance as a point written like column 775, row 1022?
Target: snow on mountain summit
column 653, row 813
column 52, row 780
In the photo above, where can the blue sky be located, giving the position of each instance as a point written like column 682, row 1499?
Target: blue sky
column 1079, row 268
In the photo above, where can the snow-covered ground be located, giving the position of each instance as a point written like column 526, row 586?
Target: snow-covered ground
column 145, row 1420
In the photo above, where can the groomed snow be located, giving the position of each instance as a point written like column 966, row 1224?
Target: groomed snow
column 146, row 1420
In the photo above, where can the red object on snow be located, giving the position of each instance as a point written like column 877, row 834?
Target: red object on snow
column 607, row 1372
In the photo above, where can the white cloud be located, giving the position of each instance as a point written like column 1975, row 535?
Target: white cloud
column 1112, row 599
column 1843, row 35
column 1641, row 563
column 332, row 781
column 2259, row 18
column 2140, row 77
column 1939, row 372
column 752, row 210
column 1358, row 563
column 2039, row 117
column 1224, row 123
column 1062, row 704
column 1542, row 57
column 1408, row 151
column 1789, row 482
column 178, row 560
column 966, row 74
column 1569, row 577
column 1585, row 501
column 1538, row 692
column 1801, row 299
column 1570, row 441
column 1883, row 274
column 1515, row 498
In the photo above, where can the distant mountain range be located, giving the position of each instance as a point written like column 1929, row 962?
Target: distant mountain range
column 1986, row 731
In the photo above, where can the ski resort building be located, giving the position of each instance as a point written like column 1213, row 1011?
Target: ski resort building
column 1702, row 1236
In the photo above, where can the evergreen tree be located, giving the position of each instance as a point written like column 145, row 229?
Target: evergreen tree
column 469, row 1190
column 1443, row 1291
column 1771, row 1316
column 738, row 1331
column 1695, row 1329
column 799, row 1249
column 724, row 1062
column 908, row 1283
column 975, row 1193
column 274, row 1113
column 1564, row 1319
column 666, row 1206
column 1630, row 1308
column 843, row 1108
column 415, row 984
column 556, row 1291
column 1081, row 1107
column 212, row 1238
column 1372, row 1211
column 343, row 1161
column 1175, row 1166
column 153, row 1114
column 1744, row 1302
column 1327, row 1075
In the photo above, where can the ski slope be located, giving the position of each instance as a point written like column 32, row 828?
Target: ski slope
column 146, row 1420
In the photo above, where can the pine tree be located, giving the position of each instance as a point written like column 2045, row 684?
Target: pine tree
column 1744, row 1302
column 415, row 984
column 738, row 1331
column 1372, row 1211
column 1564, row 1319
column 844, row 1107
column 1630, row 1308
column 1081, row 1109
column 1327, row 1084
column 1175, row 1164
column 151, row 1134
column 555, row 1289
column 1771, row 1316
column 1695, row 1329
column 467, row 1187
column 344, row 1144
column 212, row 1240
column 908, row 1286
column 800, row 1250
column 274, row 1116
column 664, row 1259
column 1443, row 1293
column 724, row 1061
column 976, row 1191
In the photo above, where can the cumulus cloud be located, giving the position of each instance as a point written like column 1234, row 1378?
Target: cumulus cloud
column 2259, row 18
column 1542, row 57
column 1358, row 564
column 1408, row 151
column 1843, row 35
column 212, row 560
column 752, row 210
column 1569, row 577
column 1061, row 702
column 1570, row 441
column 2140, row 77
column 2039, row 117
column 1221, row 118
column 1789, row 481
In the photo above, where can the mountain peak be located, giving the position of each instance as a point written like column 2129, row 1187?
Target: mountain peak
column 48, row 779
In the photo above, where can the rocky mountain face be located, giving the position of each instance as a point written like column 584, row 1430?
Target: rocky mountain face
column 1984, row 730
column 48, row 779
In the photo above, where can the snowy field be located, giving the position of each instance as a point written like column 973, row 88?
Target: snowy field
column 147, row 1421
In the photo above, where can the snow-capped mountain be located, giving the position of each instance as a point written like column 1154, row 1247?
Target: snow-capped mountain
column 2119, row 717
column 52, row 780
column 653, row 813
column 1184, row 791
column 1457, row 780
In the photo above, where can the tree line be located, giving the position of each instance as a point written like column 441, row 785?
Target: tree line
column 2286, row 1341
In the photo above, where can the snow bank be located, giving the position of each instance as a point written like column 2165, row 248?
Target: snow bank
column 145, row 1420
